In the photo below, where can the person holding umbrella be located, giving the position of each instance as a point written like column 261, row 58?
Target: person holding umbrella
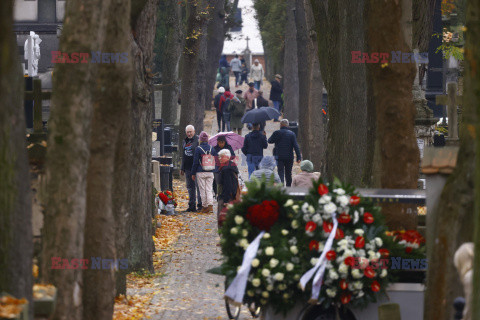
column 253, row 147
column 237, row 112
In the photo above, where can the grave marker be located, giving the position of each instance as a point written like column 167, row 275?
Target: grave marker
column 452, row 100
column 37, row 96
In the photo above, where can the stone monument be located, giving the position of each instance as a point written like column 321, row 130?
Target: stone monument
column 32, row 53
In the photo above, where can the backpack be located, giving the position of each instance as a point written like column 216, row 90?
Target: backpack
column 207, row 161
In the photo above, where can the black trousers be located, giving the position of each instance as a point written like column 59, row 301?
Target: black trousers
column 220, row 120
column 285, row 170
column 193, row 191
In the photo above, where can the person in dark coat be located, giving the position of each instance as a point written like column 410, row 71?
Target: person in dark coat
column 222, row 144
column 253, row 146
column 223, row 63
column 228, row 183
column 189, row 146
column 276, row 93
column 216, row 102
column 261, row 102
column 285, row 142
column 224, row 106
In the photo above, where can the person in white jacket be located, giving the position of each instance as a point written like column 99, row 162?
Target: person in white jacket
column 236, row 66
column 256, row 73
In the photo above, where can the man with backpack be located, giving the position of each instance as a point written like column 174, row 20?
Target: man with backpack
column 202, row 171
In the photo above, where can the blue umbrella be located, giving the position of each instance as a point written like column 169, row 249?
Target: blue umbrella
column 260, row 115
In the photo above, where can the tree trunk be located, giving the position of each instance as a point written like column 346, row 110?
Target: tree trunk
column 303, row 76
column 339, row 26
column 197, row 18
column 200, row 93
column 68, row 154
column 395, row 111
column 316, row 122
column 140, row 221
column 291, row 85
column 215, row 40
column 171, row 62
column 111, row 105
column 16, row 243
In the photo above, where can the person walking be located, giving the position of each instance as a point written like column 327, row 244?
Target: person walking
column 228, row 187
column 276, row 93
column 224, row 80
column 260, row 102
column 224, row 106
column 189, row 145
column 256, row 73
column 266, row 169
column 222, row 144
column 202, row 171
column 223, row 63
column 250, row 95
column 285, row 142
column 244, row 74
column 253, row 146
column 307, row 176
column 216, row 102
column 236, row 66
column 237, row 108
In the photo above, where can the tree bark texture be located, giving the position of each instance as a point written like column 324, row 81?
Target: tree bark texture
column 68, row 155
column 339, row 25
column 171, row 62
column 290, row 79
column 314, row 147
column 111, row 105
column 16, row 243
column 200, row 100
column 197, row 19
column 395, row 111
column 140, row 220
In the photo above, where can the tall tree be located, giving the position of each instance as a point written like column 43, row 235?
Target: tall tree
column 339, row 26
column 16, row 243
column 173, row 45
column 111, row 103
column 290, row 68
column 68, row 155
column 200, row 85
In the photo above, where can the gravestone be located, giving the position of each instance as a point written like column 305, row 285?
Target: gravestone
column 37, row 96
column 452, row 100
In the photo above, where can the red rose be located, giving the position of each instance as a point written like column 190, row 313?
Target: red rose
column 349, row 261
column 327, row 227
column 408, row 249
column 375, row 286
column 322, row 189
column 345, row 298
column 344, row 218
column 313, row 245
column 343, row 284
column 339, row 234
column 384, row 253
column 367, row 218
column 163, row 197
column 263, row 216
column 331, row 255
column 354, row 200
column 310, row 226
column 359, row 242
column 369, row 272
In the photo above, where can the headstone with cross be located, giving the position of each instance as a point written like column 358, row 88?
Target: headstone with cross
column 247, row 54
column 452, row 100
column 37, row 96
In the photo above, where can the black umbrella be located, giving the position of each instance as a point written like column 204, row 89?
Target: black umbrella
column 260, row 115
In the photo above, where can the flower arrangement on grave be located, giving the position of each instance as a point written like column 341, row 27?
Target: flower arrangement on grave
column 167, row 196
column 344, row 247
column 411, row 241
column 260, row 249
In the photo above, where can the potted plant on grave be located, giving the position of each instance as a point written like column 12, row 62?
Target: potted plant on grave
column 12, row 308
column 167, row 203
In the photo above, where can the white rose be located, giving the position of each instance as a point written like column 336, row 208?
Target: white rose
column 284, row 232
column 306, row 217
column 229, row 206
column 332, row 274
column 289, row 203
column 357, row 274
column 295, row 207
column 286, row 296
column 234, row 231
column 330, row 208
column 289, row 266
column 378, row 242
column 360, row 232
column 355, row 217
column 255, row 263
column 324, row 199
column 265, row 272
column 256, row 282
column 358, row 285
column 343, row 268
column 296, row 277
column 250, row 293
column 317, row 218
column 384, row 273
column 266, row 235
column 278, row 276
column 343, row 201
column 311, row 209
column 269, row 287
column 361, row 253
column 282, row 286
column 269, row 251
column 294, row 249
column 339, row 191
column 265, row 294
column 371, row 254
column 238, row 219
column 314, row 261
column 321, row 246
column 243, row 243
column 305, row 207
column 360, row 294
column 294, row 224
column 331, row 292
column 273, row 263
column 244, row 232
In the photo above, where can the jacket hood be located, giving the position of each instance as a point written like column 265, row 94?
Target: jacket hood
column 268, row 162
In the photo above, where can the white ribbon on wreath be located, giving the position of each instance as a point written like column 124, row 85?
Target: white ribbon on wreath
column 236, row 290
column 319, row 269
